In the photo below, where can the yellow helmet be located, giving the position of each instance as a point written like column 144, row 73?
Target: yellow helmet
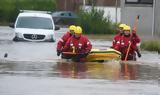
column 127, row 28
column 78, row 30
column 122, row 25
column 72, row 27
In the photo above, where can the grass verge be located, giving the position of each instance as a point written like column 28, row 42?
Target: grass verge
column 152, row 45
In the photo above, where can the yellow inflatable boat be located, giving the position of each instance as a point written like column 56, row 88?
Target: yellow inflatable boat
column 103, row 55
column 96, row 55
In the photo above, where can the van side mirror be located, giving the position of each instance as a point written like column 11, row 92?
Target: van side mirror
column 11, row 25
column 57, row 27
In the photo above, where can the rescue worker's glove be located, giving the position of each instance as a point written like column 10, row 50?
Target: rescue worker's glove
column 134, row 34
column 139, row 54
column 133, row 31
column 86, row 53
column 59, row 52
column 82, row 55
column 78, row 57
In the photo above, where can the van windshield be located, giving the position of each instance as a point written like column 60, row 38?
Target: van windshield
column 34, row 22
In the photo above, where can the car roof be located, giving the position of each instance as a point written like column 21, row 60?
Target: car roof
column 35, row 14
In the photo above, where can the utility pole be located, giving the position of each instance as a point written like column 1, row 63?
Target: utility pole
column 153, row 18
column 116, row 6
column 84, row 3
column 65, row 4
column 92, row 3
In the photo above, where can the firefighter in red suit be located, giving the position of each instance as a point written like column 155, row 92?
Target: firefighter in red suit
column 78, row 44
column 119, row 34
column 123, row 44
column 65, row 37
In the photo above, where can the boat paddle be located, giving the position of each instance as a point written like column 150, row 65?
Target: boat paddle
column 134, row 30
column 129, row 47
column 75, row 56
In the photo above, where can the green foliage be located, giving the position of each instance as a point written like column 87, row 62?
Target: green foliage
column 93, row 22
column 153, row 45
column 9, row 9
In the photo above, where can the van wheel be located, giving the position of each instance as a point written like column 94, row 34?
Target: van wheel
column 52, row 40
column 15, row 39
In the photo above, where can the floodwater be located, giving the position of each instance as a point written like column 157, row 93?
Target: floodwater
column 32, row 68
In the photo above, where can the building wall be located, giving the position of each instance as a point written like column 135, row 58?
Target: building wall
column 105, row 2
column 73, row 5
column 129, row 13
column 68, row 5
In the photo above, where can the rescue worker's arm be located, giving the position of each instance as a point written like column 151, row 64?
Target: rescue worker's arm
column 113, row 43
column 66, row 46
column 116, row 45
column 89, row 46
column 116, row 42
column 115, row 39
column 62, row 42
column 135, row 38
column 135, row 41
column 85, row 51
column 59, row 47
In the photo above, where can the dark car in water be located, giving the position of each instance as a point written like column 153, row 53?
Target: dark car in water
column 64, row 17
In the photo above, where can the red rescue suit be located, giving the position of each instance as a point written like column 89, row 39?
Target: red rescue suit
column 116, row 39
column 80, row 44
column 122, row 44
column 61, row 43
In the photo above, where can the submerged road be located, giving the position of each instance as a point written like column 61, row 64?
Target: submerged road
column 32, row 68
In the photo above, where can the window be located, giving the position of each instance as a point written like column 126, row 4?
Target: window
column 147, row 1
column 34, row 23
column 132, row 1
column 139, row 1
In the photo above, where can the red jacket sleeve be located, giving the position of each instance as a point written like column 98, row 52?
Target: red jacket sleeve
column 63, row 40
column 135, row 38
column 60, row 44
column 67, row 45
column 116, row 42
column 113, row 42
column 89, row 46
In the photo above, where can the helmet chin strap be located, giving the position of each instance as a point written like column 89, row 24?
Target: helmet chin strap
column 77, row 37
column 126, row 34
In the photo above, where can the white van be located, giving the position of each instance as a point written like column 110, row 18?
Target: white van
column 34, row 26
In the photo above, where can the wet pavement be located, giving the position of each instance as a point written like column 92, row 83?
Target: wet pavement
column 32, row 68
